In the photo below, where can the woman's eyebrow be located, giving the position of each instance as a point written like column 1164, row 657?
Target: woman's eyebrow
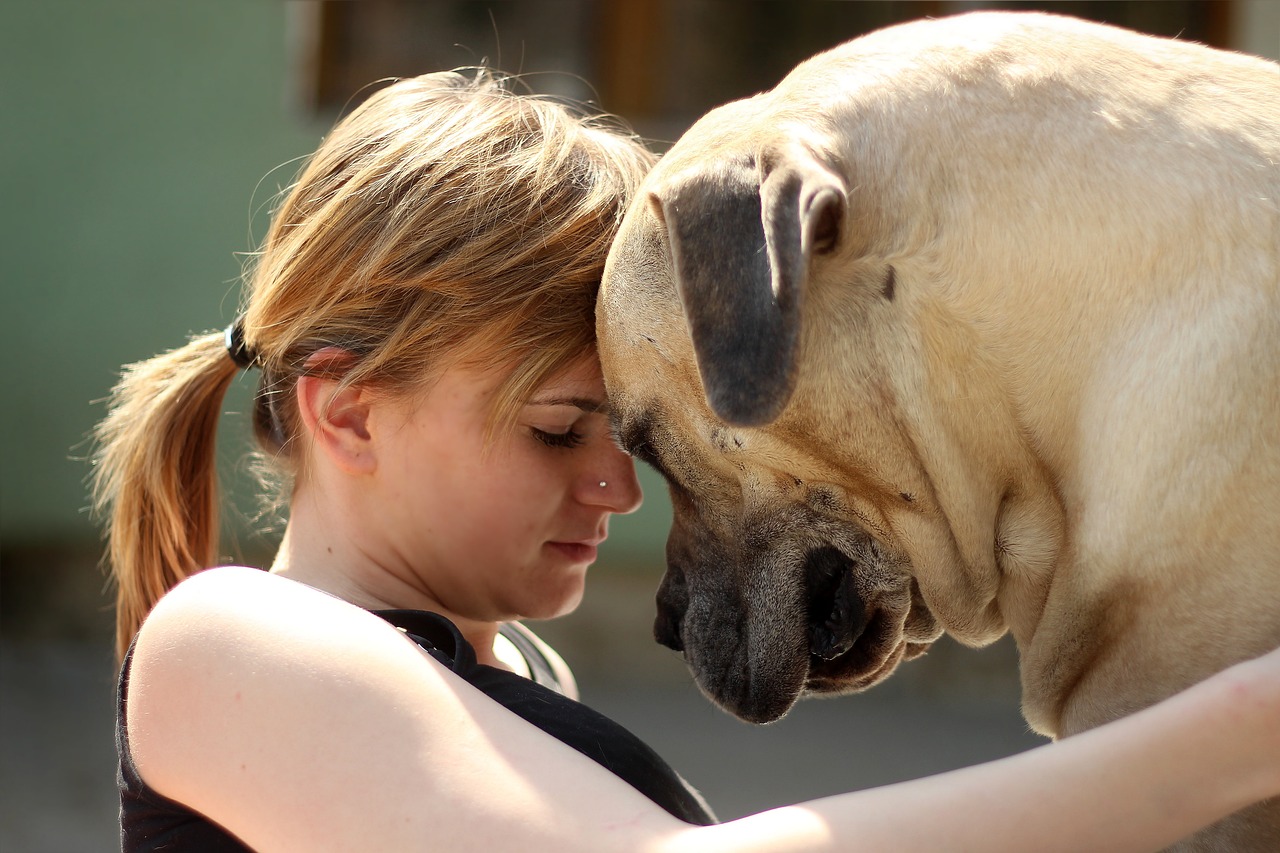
column 590, row 405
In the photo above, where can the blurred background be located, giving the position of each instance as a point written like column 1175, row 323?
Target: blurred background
column 144, row 142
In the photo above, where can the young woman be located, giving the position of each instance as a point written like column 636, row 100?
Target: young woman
column 421, row 315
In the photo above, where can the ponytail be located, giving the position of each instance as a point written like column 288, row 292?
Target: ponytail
column 155, row 477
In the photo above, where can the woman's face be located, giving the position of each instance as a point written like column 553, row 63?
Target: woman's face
column 508, row 530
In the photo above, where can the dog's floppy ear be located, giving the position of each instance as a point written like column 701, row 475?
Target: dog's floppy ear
column 742, row 238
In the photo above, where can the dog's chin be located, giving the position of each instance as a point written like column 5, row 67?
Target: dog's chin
column 763, row 694
column 839, row 634
column 854, row 643
column 765, row 700
column 856, row 670
column 871, row 658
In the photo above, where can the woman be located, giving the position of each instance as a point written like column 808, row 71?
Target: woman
column 421, row 314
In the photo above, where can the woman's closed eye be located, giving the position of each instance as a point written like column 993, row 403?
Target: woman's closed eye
column 568, row 439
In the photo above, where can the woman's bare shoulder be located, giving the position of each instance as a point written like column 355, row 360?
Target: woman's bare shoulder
column 239, row 598
column 299, row 721
column 235, row 653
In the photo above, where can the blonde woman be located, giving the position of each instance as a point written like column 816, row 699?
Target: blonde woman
column 421, row 316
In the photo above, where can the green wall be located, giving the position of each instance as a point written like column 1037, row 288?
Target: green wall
column 142, row 144
column 135, row 135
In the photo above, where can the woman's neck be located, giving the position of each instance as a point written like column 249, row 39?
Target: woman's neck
column 319, row 550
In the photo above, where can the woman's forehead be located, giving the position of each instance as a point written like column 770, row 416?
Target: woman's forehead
column 581, row 384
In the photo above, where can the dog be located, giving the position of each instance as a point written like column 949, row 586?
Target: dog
column 970, row 325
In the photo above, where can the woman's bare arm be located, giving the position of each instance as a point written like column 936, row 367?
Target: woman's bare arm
column 300, row 722
column 1137, row 784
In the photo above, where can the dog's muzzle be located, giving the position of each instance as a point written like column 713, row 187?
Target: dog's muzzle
column 759, row 635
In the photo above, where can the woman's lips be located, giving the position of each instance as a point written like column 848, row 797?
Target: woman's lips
column 577, row 552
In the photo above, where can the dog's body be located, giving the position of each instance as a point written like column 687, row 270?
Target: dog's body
column 969, row 325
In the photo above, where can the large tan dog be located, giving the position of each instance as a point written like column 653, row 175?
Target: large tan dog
column 969, row 325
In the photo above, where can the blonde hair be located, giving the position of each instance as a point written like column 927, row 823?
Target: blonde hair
column 447, row 220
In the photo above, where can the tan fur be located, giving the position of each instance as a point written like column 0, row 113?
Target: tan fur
column 1027, row 353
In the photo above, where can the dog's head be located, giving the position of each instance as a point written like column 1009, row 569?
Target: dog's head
column 785, row 573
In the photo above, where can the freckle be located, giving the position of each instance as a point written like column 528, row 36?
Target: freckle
column 242, row 768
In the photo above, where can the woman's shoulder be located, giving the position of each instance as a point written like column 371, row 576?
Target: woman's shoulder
column 235, row 627
column 263, row 668
column 299, row 721
column 237, row 610
column 248, row 589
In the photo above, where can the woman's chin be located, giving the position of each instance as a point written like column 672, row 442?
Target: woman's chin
column 569, row 603
column 558, row 599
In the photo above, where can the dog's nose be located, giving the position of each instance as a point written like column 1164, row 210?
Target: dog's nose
column 666, row 629
column 673, row 600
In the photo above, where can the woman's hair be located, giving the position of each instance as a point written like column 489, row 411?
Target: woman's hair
column 446, row 221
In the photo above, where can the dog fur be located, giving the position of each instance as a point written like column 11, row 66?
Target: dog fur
column 968, row 325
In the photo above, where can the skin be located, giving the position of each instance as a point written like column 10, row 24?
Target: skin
column 323, row 727
column 430, row 518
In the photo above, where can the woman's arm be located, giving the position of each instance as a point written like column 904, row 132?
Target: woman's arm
column 300, row 722
column 1137, row 784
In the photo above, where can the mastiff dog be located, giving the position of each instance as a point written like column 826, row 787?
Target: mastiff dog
column 970, row 325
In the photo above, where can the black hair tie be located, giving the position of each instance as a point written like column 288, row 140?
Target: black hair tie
column 236, row 346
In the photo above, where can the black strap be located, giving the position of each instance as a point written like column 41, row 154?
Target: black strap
column 540, row 667
column 443, row 641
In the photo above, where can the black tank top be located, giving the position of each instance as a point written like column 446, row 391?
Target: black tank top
column 149, row 821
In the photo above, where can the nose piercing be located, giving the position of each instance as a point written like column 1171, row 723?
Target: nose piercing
column 603, row 484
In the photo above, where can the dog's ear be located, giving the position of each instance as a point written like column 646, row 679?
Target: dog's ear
column 742, row 238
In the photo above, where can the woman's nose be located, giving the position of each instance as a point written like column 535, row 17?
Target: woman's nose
column 612, row 482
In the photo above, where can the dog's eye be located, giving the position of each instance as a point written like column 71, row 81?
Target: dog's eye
column 635, row 440
column 644, row 452
column 616, row 437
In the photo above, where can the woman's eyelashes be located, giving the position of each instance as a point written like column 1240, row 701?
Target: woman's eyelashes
column 568, row 439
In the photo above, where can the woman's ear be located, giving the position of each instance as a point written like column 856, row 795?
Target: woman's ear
column 336, row 418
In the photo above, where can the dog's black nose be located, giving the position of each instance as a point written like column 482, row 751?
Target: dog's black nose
column 673, row 601
column 666, row 629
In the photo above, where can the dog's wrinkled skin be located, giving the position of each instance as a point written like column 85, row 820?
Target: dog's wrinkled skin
column 969, row 325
